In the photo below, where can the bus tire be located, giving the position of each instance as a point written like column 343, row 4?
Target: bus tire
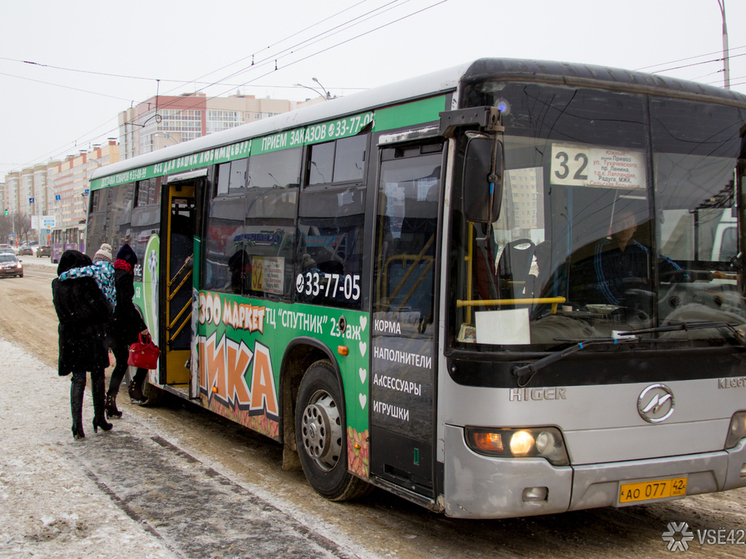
column 320, row 434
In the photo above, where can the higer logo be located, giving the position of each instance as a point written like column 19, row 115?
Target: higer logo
column 222, row 375
column 655, row 404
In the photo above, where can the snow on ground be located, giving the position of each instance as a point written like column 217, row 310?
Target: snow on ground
column 49, row 507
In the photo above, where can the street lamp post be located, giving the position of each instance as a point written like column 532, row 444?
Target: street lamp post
column 312, row 89
column 165, row 135
column 726, row 60
column 328, row 95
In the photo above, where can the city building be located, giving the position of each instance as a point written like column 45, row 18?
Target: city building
column 68, row 180
column 165, row 120
column 12, row 183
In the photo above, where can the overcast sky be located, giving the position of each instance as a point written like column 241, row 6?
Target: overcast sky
column 64, row 103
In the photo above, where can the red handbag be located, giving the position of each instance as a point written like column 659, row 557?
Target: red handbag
column 143, row 353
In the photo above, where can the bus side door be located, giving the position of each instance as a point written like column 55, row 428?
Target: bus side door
column 403, row 340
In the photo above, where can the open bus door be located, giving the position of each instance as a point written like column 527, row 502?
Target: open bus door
column 177, row 290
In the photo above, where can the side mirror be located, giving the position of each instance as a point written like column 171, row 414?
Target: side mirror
column 482, row 179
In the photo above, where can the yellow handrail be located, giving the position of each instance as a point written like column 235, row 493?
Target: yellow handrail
column 178, row 288
column 554, row 301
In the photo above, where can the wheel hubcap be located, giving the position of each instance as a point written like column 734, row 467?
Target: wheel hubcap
column 322, row 430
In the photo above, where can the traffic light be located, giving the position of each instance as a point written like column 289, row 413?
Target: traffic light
column 6, row 211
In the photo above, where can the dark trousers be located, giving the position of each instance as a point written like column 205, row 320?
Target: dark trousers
column 77, row 390
column 121, row 354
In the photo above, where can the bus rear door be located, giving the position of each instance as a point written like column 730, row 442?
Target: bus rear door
column 178, row 256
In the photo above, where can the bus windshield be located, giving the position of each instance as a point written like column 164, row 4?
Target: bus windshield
column 618, row 213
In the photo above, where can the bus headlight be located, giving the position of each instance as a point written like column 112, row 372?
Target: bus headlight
column 533, row 442
column 736, row 430
column 521, row 443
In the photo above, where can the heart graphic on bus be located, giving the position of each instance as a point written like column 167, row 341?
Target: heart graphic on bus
column 363, row 348
column 363, row 400
column 363, row 322
column 363, row 375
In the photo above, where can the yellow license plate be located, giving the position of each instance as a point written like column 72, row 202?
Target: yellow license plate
column 650, row 490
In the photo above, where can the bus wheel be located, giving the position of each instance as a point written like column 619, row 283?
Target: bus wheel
column 321, row 435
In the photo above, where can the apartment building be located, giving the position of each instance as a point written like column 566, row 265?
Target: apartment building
column 164, row 120
column 68, row 182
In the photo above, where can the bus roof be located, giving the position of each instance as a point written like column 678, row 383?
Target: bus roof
column 442, row 81
column 596, row 76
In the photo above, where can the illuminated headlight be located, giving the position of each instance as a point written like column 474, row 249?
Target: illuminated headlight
column 737, row 429
column 533, row 442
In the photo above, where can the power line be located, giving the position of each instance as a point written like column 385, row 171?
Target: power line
column 269, row 58
column 688, row 58
column 92, row 72
column 300, row 46
column 65, row 86
column 125, row 76
column 279, row 42
column 309, row 42
column 244, row 84
column 273, row 86
column 695, row 64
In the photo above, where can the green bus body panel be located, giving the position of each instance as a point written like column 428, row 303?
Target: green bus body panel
column 240, row 345
column 410, row 114
column 407, row 114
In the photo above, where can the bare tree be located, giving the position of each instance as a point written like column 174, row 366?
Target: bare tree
column 22, row 224
column 6, row 228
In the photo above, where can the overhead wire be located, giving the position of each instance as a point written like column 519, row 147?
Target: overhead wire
column 268, row 59
column 687, row 58
column 281, row 40
column 299, row 46
column 310, row 42
column 328, row 32
column 696, row 64
column 63, row 86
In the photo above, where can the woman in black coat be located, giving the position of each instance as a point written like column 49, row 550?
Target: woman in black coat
column 83, row 313
column 123, row 331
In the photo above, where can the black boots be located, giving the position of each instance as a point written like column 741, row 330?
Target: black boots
column 77, row 389
column 111, row 406
column 99, row 401
column 135, row 392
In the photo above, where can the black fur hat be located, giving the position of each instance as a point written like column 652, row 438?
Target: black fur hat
column 127, row 254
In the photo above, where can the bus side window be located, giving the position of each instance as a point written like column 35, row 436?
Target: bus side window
column 268, row 235
column 337, row 162
column 332, row 218
column 330, row 247
column 225, row 227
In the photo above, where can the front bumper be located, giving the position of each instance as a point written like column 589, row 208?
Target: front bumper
column 478, row 486
column 10, row 271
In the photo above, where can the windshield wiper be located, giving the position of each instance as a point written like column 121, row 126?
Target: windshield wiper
column 627, row 337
